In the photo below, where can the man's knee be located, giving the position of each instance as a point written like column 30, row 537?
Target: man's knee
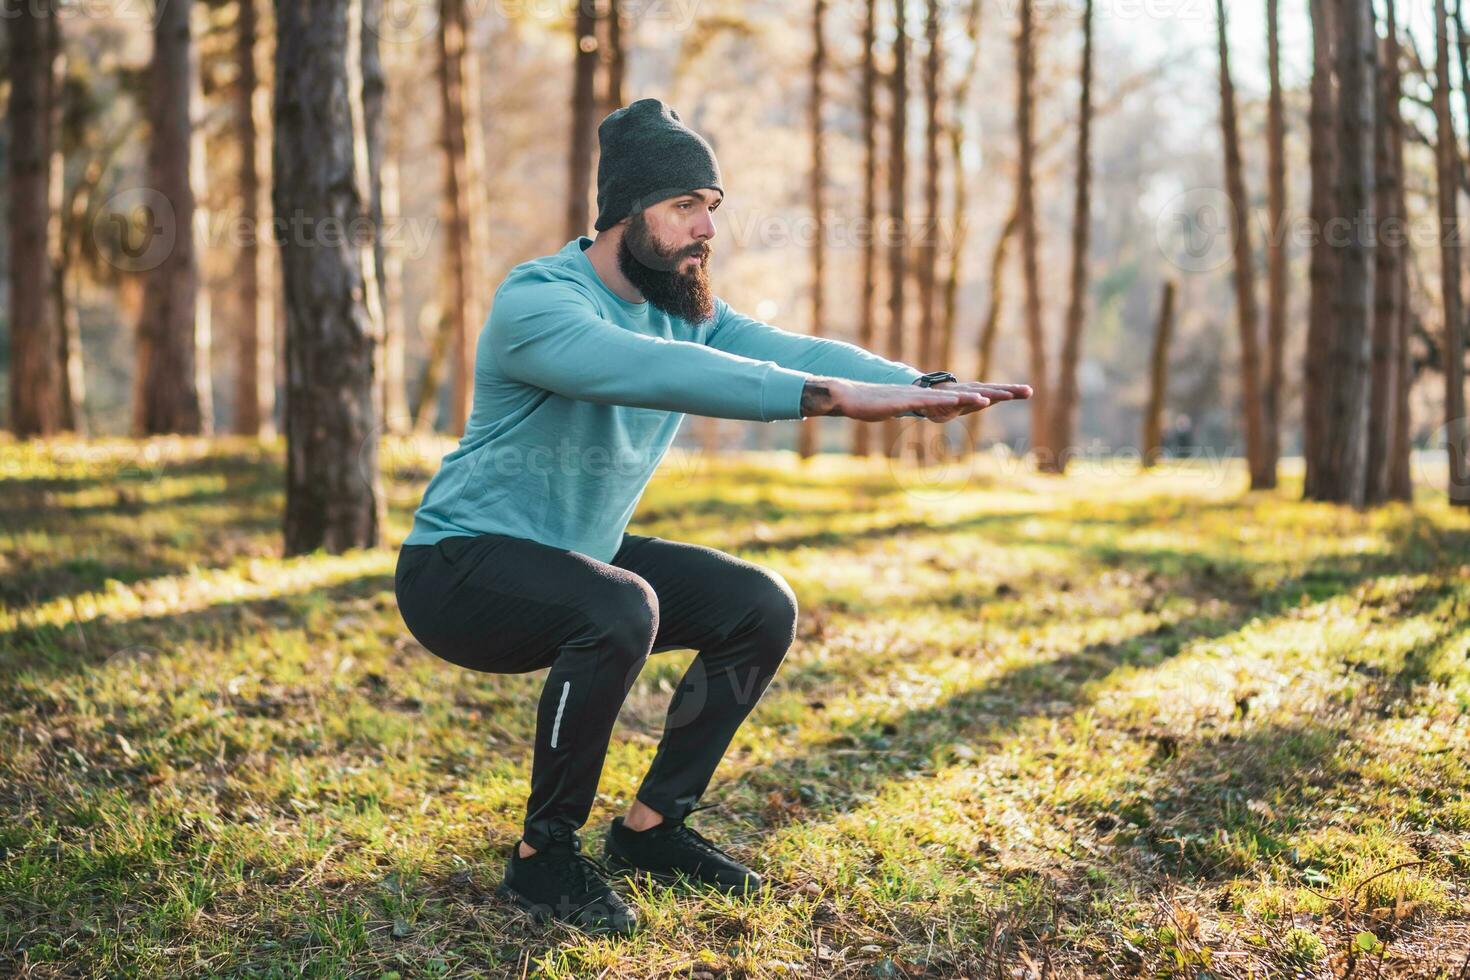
column 628, row 617
column 775, row 610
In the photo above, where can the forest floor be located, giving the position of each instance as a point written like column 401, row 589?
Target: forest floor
column 1104, row 725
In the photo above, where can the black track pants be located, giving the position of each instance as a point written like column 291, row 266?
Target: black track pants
column 508, row 605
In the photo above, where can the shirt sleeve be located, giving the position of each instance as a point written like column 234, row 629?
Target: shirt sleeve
column 737, row 333
column 547, row 333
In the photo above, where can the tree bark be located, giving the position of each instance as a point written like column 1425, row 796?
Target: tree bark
column 584, row 102
column 1026, row 217
column 35, row 383
column 459, row 135
column 374, row 112
column 69, row 364
column 1247, row 315
column 960, row 199
column 893, row 434
column 867, row 328
column 614, row 55
column 332, row 326
column 1064, row 408
column 1388, row 301
column 1400, row 480
column 1452, row 347
column 1323, row 271
column 808, row 431
column 1276, row 255
column 396, row 417
column 1158, row 380
column 1341, row 465
column 930, row 438
column 168, row 397
column 255, row 388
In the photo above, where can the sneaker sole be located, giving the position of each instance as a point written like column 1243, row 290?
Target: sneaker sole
column 541, row 914
column 669, row 878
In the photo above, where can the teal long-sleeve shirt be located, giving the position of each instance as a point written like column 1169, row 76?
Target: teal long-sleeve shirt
column 578, row 394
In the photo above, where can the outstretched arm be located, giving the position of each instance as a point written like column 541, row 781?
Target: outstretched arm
column 836, row 361
column 552, row 338
column 546, row 333
column 739, row 334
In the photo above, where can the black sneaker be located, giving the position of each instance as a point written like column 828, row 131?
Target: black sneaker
column 560, row 882
column 673, row 849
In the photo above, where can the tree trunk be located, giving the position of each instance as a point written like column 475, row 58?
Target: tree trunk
column 460, row 127
column 1323, row 272
column 1400, row 480
column 861, row 431
column 1158, row 381
column 1276, row 256
column 255, row 388
column 1388, row 301
column 986, row 346
column 396, row 417
column 930, row 437
column 893, row 433
column 374, row 113
column 808, row 431
column 168, row 396
column 1452, row 348
column 68, row 328
column 960, row 199
column 1247, row 315
column 1026, row 218
column 615, row 57
column 332, row 327
column 1341, row 465
column 1064, row 408
column 35, row 383
column 584, row 102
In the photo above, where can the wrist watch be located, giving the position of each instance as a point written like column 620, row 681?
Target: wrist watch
column 933, row 378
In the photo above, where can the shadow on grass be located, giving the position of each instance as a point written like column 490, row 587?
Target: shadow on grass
column 43, row 653
column 904, row 747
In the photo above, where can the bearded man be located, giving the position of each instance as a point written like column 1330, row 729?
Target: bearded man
column 519, row 559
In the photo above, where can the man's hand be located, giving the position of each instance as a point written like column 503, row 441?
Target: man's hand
column 875, row 402
column 991, row 391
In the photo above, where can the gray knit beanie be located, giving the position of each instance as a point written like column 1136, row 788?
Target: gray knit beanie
column 648, row 156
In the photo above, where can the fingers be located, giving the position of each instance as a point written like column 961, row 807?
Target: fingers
column 994, row 391
column 1016, row 390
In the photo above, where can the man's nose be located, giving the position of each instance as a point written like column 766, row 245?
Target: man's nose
column 705, row 229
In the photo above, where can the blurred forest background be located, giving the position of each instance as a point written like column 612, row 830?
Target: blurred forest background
column 916, row 172
column 1199, row 706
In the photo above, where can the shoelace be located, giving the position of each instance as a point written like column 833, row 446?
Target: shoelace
column 580, row 871
column 693, row 837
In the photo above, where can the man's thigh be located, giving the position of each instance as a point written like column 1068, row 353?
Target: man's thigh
column 704, row 594
column 502, row 604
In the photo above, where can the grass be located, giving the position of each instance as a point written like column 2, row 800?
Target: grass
column 1111, row 724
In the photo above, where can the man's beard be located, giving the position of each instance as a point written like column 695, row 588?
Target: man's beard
column 658, row 275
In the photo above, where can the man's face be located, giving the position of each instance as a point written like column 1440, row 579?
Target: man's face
column 664, row 251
